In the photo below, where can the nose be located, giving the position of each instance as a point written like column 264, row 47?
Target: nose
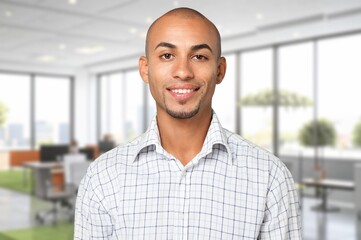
column 183, row 69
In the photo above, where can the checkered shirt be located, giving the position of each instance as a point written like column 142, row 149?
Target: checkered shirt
column 232, row 189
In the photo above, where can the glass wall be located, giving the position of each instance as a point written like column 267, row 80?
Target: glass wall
column 256, row 85
column 14, row 111
column 224, row 100
column 296, row 90
column 339, row 84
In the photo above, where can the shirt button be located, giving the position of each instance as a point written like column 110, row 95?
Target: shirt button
column 184, row 173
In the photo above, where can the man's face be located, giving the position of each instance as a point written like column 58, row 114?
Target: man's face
column 182, row 65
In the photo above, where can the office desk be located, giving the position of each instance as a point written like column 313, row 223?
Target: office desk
column 326, row 184
column 41, row 175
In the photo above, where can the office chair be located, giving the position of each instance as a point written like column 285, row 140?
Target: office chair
column 55, row 196
column 74, row 166
column 68, row 160
column 76, row 173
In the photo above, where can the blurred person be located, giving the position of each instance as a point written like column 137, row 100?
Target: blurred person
column 73, row 147
column 186, row 177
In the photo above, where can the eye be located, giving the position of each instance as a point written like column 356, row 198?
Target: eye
column 200, row 57
column 167, row 56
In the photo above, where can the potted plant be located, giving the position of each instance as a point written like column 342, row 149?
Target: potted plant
column 318, row 133
column 3, row 113
column 266, row 97
column 357, row 134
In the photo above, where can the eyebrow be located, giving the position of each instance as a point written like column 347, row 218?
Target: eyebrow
column 193, row 48
column 166, row 45
column 201, row 46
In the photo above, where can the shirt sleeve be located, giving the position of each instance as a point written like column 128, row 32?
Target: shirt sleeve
column 92, row 220
column 281, row 219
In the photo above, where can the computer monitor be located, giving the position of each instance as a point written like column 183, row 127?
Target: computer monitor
column 51, row 153
column 88, row 152
column 105, row 146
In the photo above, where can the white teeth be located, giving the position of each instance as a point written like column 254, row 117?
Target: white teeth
column 182, row 91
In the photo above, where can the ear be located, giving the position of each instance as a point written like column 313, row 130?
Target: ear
column 221, row 69
column 143, row 68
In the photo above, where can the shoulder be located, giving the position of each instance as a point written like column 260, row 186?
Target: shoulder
column 110, row 165
column 247, row 154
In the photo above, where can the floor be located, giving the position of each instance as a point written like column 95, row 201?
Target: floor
column 17, row 211
column 337, row 225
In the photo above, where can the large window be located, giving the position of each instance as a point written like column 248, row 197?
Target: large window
column 318, row 79
column 152, row 110
column 122, row 105
column 339, row 84
column 224, row 100
column 14, row 111
column 112, row 106
column 256, row 85
column 134, row 97
column 295, row 75
column 52, row 110
column 25, row 123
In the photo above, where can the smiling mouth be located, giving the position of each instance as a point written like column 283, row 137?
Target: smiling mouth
column 183, row 91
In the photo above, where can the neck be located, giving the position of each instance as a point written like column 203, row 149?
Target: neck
column 183, row 138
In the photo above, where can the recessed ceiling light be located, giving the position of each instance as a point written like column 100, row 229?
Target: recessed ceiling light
column 72, row 2
column 143, row 35
column 87, row 50
column 46, row 58
column 8, row 13
column 149, row 20
column 62, row 46
column 259, row 16
column 133, row 30
column 296, row 35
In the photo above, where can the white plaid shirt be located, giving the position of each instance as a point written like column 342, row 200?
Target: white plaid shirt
column 231, row 190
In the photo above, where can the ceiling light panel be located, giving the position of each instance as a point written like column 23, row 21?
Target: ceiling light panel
column 19, row 15
column 138, row 11
column 38, row 27
column 58, row 21
column 104, row 30
column 12, row 39
column 41, row 46
column 82, row 6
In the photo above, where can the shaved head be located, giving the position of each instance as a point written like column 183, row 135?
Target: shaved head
column 184, row 13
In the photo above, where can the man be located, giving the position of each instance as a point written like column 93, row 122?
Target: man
column 186, row 177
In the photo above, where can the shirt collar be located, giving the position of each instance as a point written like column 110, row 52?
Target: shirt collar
column 215, row 136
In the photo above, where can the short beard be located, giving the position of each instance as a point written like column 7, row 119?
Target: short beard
column 182, row 115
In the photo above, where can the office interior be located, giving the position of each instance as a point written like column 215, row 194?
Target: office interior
column 68, row 71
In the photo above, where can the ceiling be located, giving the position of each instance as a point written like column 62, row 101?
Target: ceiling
column 81, row 33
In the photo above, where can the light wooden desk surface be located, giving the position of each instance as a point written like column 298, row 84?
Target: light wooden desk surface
column 329, row 183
